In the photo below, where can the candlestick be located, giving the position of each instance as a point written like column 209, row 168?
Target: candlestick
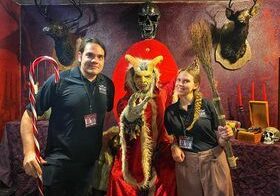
column 253, row 90
column 239, row 94
column 264, row 91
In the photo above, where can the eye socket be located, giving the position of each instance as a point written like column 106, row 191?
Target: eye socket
column 154, row 18
column 142, row 18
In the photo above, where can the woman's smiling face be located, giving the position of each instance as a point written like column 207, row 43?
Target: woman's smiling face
column 185, row 84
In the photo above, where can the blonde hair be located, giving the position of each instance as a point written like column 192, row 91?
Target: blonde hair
column 194, row 71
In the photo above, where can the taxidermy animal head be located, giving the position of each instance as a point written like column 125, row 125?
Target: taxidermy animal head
column 62, row 33
column 232, row 37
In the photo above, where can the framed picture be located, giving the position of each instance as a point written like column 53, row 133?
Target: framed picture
column 259, row 114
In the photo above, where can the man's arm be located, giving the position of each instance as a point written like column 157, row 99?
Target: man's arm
column 30, row 164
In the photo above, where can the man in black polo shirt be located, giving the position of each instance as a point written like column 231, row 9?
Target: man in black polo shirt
column 79, row 103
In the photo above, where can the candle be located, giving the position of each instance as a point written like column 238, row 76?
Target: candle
column 253, row 90
column 264, row 91
column 239, row 95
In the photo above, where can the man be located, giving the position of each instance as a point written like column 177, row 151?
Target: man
column 79, row 103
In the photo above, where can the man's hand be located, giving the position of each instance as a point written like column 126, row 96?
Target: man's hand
column 177, row 153
column 32, row 166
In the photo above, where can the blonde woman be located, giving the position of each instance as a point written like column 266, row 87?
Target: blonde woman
column 201, row 165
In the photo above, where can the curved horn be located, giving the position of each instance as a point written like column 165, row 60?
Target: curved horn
column 133, row 61
column 155, row 61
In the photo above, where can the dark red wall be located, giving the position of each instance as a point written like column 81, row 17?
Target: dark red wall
column 116, row 25
column 9, row 63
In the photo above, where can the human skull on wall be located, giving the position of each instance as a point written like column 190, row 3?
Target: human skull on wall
column 148, row 17
column 271, row 135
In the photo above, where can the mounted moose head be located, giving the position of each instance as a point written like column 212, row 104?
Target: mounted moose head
column 233, row 50
column 60, row 31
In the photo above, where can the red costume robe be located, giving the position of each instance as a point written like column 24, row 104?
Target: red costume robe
column 150, row 149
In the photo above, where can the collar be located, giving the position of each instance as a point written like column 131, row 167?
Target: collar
column 180, row 108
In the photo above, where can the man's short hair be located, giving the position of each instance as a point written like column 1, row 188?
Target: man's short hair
column 85, row 41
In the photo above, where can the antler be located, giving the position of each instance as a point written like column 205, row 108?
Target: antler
column 230, row 4
column 43, row 10
column 77, row 6
column 253, row 10
column 255, row 2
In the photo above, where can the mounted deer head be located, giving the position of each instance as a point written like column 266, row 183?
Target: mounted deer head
column 233, row 50
column 60, row 31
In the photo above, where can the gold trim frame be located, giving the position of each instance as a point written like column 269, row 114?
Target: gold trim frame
column 259, row 115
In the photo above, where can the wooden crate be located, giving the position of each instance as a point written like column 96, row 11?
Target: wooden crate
column 259, row 117
column 250, row 137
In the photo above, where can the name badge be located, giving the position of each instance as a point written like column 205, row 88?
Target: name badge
column 186, row 142
column 90, row 120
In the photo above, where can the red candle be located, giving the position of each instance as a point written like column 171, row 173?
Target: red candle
column 253, row 90
column 264, row 91
column 239, row 95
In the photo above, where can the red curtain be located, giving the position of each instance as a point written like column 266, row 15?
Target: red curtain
column 9, row 63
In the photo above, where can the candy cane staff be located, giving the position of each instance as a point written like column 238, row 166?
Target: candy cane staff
column 32, row 100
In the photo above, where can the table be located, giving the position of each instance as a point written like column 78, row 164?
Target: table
column 258, row 171
column 11, row 171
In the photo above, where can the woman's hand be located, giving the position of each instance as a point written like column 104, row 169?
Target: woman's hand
column 177, row 153
column 224, row 134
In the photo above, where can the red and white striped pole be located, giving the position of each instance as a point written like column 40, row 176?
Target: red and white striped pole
column 32, row 101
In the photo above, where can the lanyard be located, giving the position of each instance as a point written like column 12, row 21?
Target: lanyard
column 187, row 121
column 89, row 95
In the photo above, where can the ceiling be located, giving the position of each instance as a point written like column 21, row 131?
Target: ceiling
column 66, row 2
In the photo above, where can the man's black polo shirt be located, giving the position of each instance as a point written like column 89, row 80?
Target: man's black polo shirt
column 176, row 121
column 68, row 138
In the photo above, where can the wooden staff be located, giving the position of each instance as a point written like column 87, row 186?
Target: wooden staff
column 202, row 45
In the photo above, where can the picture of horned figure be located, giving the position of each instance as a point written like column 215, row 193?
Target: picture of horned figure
column 64, row 32
column 232, row 37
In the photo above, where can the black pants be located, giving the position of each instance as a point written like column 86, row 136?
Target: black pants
column 64, row 178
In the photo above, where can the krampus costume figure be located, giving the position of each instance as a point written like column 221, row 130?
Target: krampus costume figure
column 143, row 165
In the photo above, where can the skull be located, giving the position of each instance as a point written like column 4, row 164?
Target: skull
column 148, row 17
column 271, row 135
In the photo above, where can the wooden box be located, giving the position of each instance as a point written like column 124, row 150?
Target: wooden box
column 259, row 117
column 246, row 136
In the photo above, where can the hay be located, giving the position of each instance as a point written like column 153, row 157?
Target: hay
column 202, row 46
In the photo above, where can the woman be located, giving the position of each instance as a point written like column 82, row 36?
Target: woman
column 201, row 165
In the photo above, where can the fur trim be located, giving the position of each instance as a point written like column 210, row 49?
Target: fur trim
column 146, row 150
column 154, row 121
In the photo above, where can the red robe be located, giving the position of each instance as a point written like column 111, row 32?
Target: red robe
column 162, row 162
